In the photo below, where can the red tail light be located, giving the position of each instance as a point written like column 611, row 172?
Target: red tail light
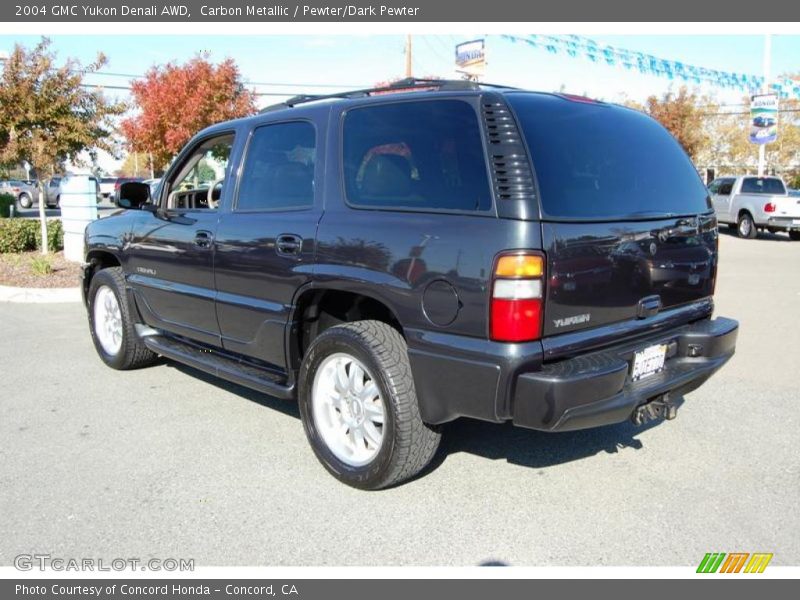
column 769, row 207
column 517, row 296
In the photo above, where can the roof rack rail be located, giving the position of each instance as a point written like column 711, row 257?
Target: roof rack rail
column 409, row 83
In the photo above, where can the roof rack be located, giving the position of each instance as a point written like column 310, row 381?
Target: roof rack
column 409, row 84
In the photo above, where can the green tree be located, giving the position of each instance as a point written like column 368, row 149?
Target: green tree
column 47, row 116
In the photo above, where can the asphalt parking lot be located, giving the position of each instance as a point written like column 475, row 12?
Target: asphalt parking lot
column 165, row 463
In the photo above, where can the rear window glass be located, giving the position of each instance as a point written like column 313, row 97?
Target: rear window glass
column 762, row 185
column 425, row 155
column 595, row 161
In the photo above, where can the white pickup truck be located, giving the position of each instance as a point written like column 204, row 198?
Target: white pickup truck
column 751, row 203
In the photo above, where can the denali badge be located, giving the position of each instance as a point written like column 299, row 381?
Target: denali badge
column 573, row 320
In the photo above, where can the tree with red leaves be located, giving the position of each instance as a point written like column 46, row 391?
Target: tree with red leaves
column 174, row 102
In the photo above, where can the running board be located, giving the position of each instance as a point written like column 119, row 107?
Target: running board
column 221, row 365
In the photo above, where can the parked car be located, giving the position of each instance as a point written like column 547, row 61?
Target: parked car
column 389, row 261
column 53, row 191
column 107, row 187
column 749, row 204
column 26, row 192
column 794, row 192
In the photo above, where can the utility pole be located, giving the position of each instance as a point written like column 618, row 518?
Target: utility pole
column 409, row 69
column 762, row 148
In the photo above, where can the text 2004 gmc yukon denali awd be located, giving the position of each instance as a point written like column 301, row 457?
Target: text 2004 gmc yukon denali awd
column 396, row 261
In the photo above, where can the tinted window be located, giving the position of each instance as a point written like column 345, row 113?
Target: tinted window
column 596, row 161
column 279, row 168
column 762, row 185
column 425, row 155
column 726, row 187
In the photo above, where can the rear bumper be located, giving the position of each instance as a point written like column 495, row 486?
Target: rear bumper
column 786, row 223
column 594, row 389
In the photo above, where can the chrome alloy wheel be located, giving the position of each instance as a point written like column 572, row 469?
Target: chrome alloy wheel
column 744, row 227
column 348, row 410
column 108, row 320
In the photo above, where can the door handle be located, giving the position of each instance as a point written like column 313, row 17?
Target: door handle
column 203, row 239
column 288, row 244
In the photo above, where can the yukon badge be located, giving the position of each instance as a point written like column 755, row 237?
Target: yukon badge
column 573, row 320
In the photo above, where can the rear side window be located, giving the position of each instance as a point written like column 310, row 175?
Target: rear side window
column 595, row 161
column 425, row 155
column 762, row 185
column 278, row 169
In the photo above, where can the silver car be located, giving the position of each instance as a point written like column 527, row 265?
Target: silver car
column 26, row 192
column 53, row 191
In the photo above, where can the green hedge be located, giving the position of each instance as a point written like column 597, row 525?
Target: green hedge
column 21, row 235
column 6, row 202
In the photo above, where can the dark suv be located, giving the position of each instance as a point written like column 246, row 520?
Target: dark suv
column 395, row 261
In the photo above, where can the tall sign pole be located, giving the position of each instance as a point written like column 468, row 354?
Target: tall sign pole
column 762, row 148
column 409, row 62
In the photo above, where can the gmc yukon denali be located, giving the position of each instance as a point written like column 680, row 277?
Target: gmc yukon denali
column 397, row 258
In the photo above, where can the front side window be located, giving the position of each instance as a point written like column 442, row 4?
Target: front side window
column 199, row 182
column 425, row 155
column 726, row 187
column 278, row 170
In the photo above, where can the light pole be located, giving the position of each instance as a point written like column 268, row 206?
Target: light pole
column 762, row 148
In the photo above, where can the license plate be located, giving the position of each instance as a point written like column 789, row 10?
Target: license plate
column 648, row 362
column 694, row 278
column 796, row 222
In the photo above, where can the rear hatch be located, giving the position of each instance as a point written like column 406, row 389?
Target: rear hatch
column 627, row 225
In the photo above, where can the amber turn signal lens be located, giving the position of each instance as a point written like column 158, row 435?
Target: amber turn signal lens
column 519, row 266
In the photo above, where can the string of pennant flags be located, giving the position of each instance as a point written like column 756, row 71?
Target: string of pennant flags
column 588, row 49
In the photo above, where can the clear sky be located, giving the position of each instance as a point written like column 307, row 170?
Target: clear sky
column 306, row 62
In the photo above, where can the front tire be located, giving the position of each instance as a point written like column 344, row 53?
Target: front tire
column 746, row 227
column 359, row 406
column 112, row 328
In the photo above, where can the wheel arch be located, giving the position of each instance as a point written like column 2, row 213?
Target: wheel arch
column 319, row 307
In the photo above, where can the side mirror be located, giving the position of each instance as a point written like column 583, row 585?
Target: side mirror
column 133, row 194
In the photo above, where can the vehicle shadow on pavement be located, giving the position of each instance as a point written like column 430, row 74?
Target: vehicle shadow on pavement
column 519, row 446
column 762, row 235
column 537, row 449
column 287, row 407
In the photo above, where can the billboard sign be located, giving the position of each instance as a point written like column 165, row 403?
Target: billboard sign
column 764, row 118
column 471, row 58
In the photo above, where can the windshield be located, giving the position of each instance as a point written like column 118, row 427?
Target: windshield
column 602, row 162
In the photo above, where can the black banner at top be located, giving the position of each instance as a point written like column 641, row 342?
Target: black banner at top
column 309, row 11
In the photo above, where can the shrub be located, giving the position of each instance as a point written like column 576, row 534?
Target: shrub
column 22, row 235
column 6, row 202
column 18, row 235
column 55, row 235
column 41, row 265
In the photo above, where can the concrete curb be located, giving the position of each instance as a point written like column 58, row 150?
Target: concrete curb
column 39, row 295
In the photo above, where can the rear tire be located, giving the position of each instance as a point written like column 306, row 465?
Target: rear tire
column 359, row 406
column 112, row 328
column 746, row 227
column 794, row 235
column 25, row 201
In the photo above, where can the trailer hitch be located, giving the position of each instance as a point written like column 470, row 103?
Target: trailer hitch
column 660, row 407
